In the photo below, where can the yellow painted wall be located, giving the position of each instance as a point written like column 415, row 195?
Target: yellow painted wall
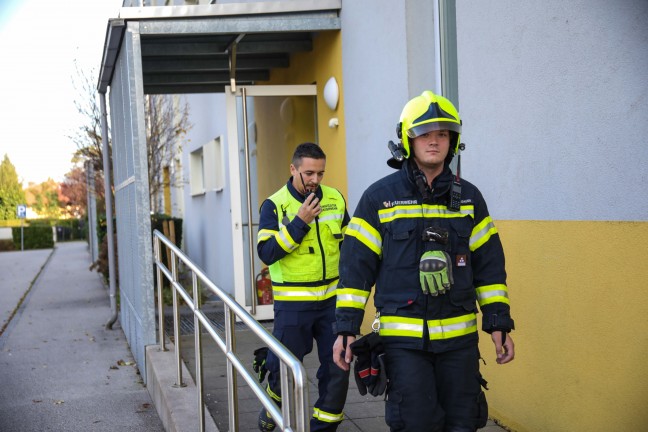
column 277, row 136
column 316, row 67
column 579, row 297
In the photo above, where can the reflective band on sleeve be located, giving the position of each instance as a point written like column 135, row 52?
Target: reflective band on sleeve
column 481, row 233
column 326, row 416
column 300, row 293
column 497, row 293
column 437, row 329
column 285, row 240
column 351, row 297
column 365, row 234
column 265, row 234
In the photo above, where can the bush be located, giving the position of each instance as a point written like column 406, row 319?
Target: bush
column 101, row 265
column 33, row 237
column 6, row 245
column 70, row 229
column 157, row 223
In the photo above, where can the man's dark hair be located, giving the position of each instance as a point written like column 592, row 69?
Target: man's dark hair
column 307, row 150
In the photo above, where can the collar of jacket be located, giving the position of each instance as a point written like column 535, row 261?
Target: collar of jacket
column 297, row 195
column 440, row 185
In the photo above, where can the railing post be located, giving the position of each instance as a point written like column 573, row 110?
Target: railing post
column 176, row 322
column 158, row 272
column 230, row 346
column 198, row 351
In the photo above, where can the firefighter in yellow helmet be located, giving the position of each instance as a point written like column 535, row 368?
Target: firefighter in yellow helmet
column 424, row 238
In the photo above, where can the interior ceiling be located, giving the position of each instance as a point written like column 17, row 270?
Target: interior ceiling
column 181, row 63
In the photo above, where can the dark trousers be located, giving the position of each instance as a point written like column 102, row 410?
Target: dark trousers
column 296, row 330
column 434, row 392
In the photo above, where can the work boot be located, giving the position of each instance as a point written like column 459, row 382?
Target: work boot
column 266, row 423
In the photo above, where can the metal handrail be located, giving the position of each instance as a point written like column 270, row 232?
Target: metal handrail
column 294, row 415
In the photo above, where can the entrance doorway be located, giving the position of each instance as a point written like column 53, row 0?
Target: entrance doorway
column 265, row 124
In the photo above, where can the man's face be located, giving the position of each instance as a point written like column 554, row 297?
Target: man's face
column 431, row 148
column 311, row 171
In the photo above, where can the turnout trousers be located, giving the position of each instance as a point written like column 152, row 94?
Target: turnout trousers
column 297, row 330
column 431, row 392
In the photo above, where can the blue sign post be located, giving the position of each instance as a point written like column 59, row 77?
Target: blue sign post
column 21, row 213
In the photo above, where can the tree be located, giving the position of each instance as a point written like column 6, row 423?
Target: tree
column 167, row 122
column 11, row 191
column 44, row 198
column 74, row 192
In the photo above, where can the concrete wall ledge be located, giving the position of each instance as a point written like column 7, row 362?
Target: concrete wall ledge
column 176, row 406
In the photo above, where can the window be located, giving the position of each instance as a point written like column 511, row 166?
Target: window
column 197, row 176
column 207, row 168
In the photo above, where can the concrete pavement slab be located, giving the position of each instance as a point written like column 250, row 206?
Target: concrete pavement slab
column 18, row 269
column 60, row 368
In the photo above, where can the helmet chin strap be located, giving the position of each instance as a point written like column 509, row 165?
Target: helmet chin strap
column 421, row 182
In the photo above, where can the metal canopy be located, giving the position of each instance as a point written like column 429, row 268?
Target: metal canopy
column 203, row 48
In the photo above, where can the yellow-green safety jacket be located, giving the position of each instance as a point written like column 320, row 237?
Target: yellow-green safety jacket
column 302, row 258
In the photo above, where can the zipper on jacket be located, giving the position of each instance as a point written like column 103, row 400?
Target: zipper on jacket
column 319, row 241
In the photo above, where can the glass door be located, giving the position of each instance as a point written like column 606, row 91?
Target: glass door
column 264, row 124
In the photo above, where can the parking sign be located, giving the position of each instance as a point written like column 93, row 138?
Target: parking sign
column 21, row 211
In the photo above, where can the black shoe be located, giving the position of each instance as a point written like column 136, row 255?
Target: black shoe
column 266, row 423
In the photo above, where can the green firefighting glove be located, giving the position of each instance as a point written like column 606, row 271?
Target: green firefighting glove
column 435, row 272
column 259, row 363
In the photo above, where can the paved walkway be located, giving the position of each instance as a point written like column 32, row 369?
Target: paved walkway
column 60, row 369
column 362, row 413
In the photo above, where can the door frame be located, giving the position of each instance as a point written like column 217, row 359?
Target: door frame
column 239, row 249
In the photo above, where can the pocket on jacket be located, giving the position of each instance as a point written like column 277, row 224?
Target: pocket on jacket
column 462, row 227
column 466, row 298
column 401, row 245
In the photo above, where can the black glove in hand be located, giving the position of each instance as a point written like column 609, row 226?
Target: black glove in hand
column 380, row 378
column 369, row 368
column 259, row 363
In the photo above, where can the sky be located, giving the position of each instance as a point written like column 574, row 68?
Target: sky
column 39, row 43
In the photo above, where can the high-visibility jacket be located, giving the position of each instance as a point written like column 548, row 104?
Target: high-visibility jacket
column 383, row 246
column 302, row 258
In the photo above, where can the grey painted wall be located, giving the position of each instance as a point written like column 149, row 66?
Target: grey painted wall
column 207, row 221
column 384, row 64
column 554, row 99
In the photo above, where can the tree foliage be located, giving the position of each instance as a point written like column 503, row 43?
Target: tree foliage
column 43, row 198
column 11, row 191
column 167, row 123
column 74, row 192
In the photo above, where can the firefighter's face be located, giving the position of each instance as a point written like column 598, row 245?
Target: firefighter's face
column 431, row 148
column 310, row 171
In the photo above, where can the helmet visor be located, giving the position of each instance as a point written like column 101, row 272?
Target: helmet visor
column 433, row 126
